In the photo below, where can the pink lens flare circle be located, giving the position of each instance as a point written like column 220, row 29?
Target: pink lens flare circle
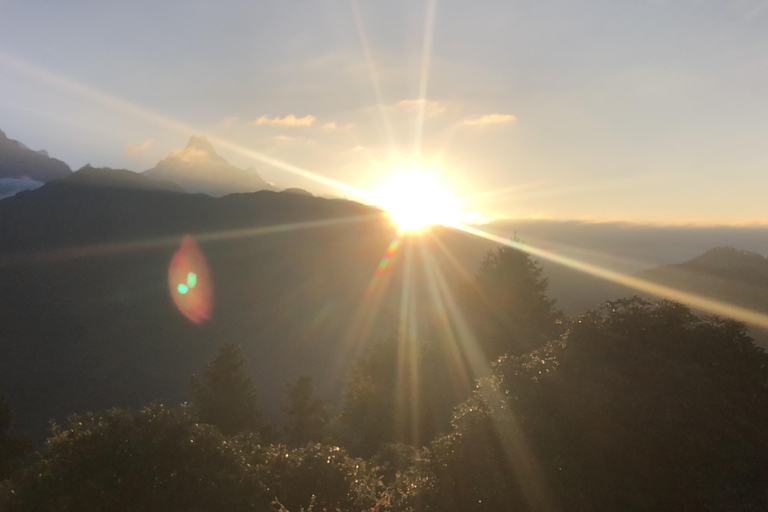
column 189, row 282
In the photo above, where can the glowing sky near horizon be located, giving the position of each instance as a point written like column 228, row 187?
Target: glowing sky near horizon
column 644, row 111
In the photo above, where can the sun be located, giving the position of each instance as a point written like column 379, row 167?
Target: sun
column 416, row 200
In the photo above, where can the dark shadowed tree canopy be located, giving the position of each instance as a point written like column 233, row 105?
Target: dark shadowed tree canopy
column 163, row 460
column 640, row 407
column 306, row 414
column 226, row 396
column 367, row 417
column 317, row 477
column 158, row 459
column 507, row 306
column 401, row 391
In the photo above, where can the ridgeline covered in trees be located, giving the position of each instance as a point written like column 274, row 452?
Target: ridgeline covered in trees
column 636, row 406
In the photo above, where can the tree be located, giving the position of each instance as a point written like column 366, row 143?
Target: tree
column 12, row 448
column 226, row 396
column 640, row 406
column 369, row 413
column 400, row 391
column 507, row 306
column 162, row 459
column 157, row 459
column 306, row 415
column 317, row 477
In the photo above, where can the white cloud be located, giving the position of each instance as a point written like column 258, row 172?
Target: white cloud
column 334, row 126
column 289, row 139
column 132, row 148
column 190, row 154
column 11, row 186
column 284, row 138
column 289, row 120
column 431, row 108
column 490, row 119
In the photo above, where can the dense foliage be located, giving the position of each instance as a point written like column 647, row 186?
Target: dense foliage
column 163, row 459
column 226, row 396
column 507, row 306
column 306, row 415
column 157, row 459
column 640, row 406
column 637, row 406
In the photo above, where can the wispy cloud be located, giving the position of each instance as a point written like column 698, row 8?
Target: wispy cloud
column 132, row 148
column 289, row 139
column 289, row 120
column 335, row 126
column 490, row 119
column 228, row 121
column 190, row 154
column 430, row 107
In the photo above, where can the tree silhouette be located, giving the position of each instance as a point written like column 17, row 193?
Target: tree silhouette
column 317, row 477
column 368, row 413
column 639, row 407
column 507, row 305
column 306, row 415
column 12, row 448
column 157, row 459
column 399, row 391
column 226, row 396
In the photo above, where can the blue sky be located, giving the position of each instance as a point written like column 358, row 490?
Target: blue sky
column 648, row 111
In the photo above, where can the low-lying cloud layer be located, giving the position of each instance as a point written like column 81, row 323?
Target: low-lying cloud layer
column 12, row 186
column 132, row 148
column 489, row 119
column 289, row 120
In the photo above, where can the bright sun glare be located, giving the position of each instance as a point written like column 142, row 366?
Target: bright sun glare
column 417, row 199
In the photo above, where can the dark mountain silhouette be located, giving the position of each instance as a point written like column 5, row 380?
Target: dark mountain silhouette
column 299, row 191
column 723, row 274
column 631, row 247
column 622, row 247
column 24, row 169
column 88, row 322
column 105, row 177
column 726, row 274
column 198, row 168
column 724, row 263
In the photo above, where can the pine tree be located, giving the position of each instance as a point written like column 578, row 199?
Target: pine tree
column 306, row 415
column 226, row 396
column 507, row 305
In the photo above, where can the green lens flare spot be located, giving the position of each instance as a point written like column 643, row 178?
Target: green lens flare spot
column 191, row 279
column 182, row 289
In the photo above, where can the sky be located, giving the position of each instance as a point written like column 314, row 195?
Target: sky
column 641, row 111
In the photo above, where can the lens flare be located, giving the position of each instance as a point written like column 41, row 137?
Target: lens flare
column 189, row 281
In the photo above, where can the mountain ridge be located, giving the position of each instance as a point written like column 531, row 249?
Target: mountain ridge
column 22, row 168
column 198, row 168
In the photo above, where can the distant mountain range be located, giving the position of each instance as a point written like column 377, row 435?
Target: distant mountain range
column 724, row 274
column 198, row 168
column 24, row 169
